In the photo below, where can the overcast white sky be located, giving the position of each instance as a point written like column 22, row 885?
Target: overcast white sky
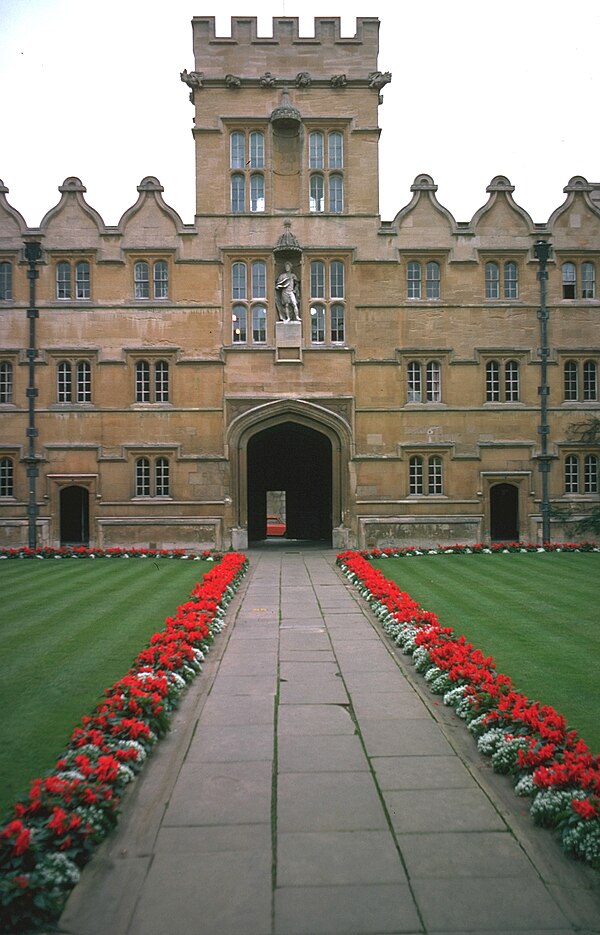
column 479, row 89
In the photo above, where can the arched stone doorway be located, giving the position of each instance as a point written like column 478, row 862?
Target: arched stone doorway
column 504, row 512
column 307, row 454
column 74, row 515
column 294, row 459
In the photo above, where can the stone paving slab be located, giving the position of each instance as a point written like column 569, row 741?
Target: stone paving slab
column 209, row 838
column 336, row 910
column 259, row 685
column 316, row 858
column 304, row 753
column 392, row 705
column 238, row 710
column 104, row 903
column 201, row 891
column 221, row 794
column 465, row 855
column 300, row 655
column 421, row 772
column 423, row 810
column 363, row 656
column 415, row 737
column 342, row 801
column 315, row 719
column 370, row 681
column 240, row 662
column 315, row 690
column 231, row 744
column 302, row 671
column 480, row 903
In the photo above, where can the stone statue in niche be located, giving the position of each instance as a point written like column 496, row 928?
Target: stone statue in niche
column 287, row 295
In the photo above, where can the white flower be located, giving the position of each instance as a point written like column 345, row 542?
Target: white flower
column 550, row 805
column 525, row 785
column 583, row 840
column 56, row 869
column 488, row 742
column 454, row 695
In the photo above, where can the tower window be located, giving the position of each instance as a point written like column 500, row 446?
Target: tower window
column 239, row 324
column 326, row 155
column 327, row 311
column 259, row 324
column 317, row 193
column 249, row 317
column 247, row 186
column 317, row 324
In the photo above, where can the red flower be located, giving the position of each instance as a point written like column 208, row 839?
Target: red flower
column 59, row 822
column 22, row 842
column 585, row 808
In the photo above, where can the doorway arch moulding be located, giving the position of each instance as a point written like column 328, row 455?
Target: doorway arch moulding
column 301, row 412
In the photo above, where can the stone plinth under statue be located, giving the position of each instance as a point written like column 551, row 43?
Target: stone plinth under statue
column 288, row 341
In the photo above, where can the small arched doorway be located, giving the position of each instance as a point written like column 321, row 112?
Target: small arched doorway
column 296, row 459
column 504, row 513
column 74, row 509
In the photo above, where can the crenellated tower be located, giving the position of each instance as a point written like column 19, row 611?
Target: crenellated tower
column 288, row 124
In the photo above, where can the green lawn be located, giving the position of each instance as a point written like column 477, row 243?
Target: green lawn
column 68, row 630
column 537, row 615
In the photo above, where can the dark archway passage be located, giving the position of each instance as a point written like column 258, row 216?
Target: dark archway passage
column 504, row 512
column 74, row 516
column 296, row 459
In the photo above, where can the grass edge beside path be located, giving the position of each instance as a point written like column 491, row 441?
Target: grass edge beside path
column 536, row 614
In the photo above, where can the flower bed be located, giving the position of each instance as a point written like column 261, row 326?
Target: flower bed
column 81, row 551
column 480, row 548
column 53, row 831
column 529, row 741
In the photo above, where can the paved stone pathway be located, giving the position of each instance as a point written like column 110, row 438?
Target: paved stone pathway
column 311, row 785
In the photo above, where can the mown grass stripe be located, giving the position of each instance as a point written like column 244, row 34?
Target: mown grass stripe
column 536, row 614
column 68, row 630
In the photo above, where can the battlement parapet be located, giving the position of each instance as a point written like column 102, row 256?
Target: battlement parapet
column 245, row 53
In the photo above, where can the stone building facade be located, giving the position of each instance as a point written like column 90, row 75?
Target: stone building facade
column 382, row 377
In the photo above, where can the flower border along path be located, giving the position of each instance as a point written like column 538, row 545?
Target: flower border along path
column 67, row 813
column 527, row 740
